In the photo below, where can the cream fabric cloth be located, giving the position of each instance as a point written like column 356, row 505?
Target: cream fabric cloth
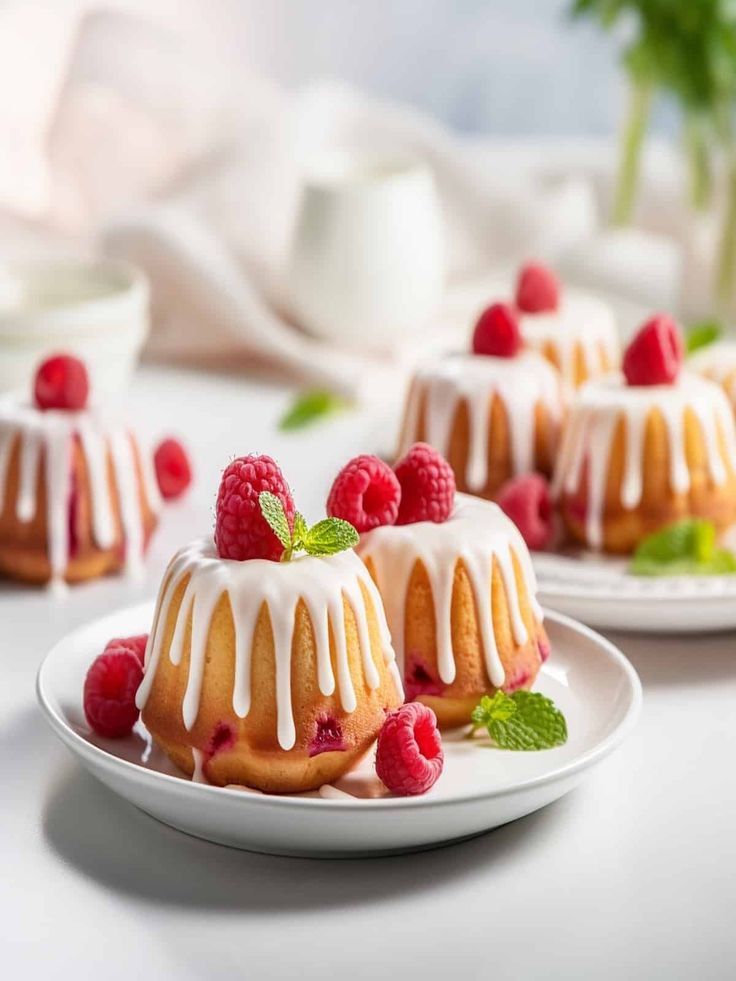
column 163, row 158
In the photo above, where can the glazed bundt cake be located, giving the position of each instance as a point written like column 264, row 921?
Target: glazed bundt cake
column 78, row 495
column 718, row 363
column 460, row 600
column 574, row 330
column 276, row 675
column 644, row 449
column 492, row 414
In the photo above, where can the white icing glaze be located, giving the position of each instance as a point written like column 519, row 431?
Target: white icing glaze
column 594, row 416
column 477, row 533
column 717, row 362
column 581, row 321
column 320, row 582
column 521, row 383
column 52, row 434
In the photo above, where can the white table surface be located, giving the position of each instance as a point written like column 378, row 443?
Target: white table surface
column 633, row 875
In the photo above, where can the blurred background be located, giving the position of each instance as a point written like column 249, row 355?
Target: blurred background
column 273, row 169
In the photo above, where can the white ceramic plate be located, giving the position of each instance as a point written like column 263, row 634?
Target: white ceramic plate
column 599, row 591
column 480, row 788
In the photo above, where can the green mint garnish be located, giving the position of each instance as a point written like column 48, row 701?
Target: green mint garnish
column 685, row 548
column 327, row 537
column 702, row 334
column 309, row 407
column 524, row 720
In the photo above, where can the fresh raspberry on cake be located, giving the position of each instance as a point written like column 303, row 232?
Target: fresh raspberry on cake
column 427, row 486
column 527, row 501
column 109, row 692
column 409, row 757
column 537, row 289
column 241, row 531
column 366, row 493
column 173, row 469
column 136, row 645
column 497, row 332
column 61, row 383
column 656, row 353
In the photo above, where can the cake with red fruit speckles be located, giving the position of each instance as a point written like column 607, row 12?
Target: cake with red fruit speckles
column 494, row 413
column 456, row 581
column 646, row 448
column 267, row 667
column 78, row 493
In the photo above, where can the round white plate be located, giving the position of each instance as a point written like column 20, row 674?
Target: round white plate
column 599, row 591
column 480, row 788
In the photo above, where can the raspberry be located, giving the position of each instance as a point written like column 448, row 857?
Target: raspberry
column 497, row 332
column 526, row 500
column 241, row 531
column 135, row 645
column 537, row 289
column 173, row 469
column 655, row 355
column 61, row 383
column 427, row 486
column 409, row 757
column 366, row 493
column 109, row 692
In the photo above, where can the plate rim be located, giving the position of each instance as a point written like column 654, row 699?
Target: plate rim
column 94, row 754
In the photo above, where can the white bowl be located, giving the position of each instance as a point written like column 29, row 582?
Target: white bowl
column 96, row 309
column 480, row 788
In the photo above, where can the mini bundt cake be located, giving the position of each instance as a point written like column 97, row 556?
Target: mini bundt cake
column 643, row 450
column 276, row 675
column 492, row 414
column 718, row 363
column 574, row 330
column 78, row 495
column 460, row 600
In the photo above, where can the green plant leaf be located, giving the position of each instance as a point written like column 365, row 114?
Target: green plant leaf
column 685, row 548
column 702, row 335
column 273, row 511
column 525, row 720
column 309, row 407
column 329, row 536
column 301, row 530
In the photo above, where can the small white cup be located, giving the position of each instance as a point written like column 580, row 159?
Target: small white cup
column 367, row 258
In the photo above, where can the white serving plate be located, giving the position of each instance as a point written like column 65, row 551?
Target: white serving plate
column 598, row 590
column 480, row 788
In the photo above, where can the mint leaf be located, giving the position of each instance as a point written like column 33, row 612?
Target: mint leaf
column 301, row 530
column 329, row 536
column 525, row 720
column 702, row 334
column 685, row 548
column 308, row 407
column 273, row 511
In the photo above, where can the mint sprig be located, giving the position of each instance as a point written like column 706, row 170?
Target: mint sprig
column 702, row 334
column 309, row 407
column 524, row 720
column 685, row 548
column 327, row 537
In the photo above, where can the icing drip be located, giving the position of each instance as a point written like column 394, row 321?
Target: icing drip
column 595, row 415
column 583, row 323
column 52, row 434
column 477, row 534
column 717, row 362
column 320, row 582
column 521, row 383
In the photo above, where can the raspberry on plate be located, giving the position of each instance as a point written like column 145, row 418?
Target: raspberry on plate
column 366, row 493
column 656, row 353
column 173, row 469
column 497, row 332
column 427, row 486
column 61, row 383
column 409, row 757
column 136, row 645
column 109, row 692
column 527, row 501
column 241, row 531
column 537, row 289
